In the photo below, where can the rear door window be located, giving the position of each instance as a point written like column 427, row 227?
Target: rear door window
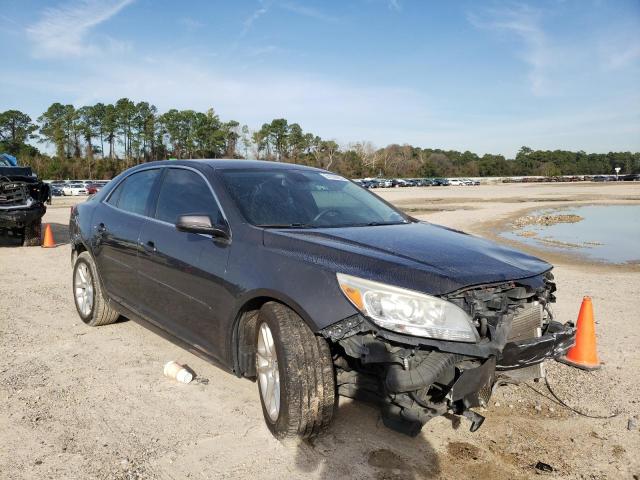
column 184, row 192
column 132, row 195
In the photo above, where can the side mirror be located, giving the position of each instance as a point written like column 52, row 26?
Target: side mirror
column 200, row 224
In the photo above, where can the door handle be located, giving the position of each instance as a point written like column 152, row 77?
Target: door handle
column 149, row 246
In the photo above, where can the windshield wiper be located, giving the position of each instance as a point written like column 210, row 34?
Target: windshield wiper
column 285, row 225
column 377, row 224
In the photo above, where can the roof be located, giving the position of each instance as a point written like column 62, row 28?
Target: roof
column 234, row 163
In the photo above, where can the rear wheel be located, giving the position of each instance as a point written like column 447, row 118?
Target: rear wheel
column 91, row 304
column 295, row 374
column 33, row 234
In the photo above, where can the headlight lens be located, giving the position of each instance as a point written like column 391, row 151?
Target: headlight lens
column 409, row 312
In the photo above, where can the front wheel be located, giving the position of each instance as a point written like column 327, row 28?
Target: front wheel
column 295, row 374
column 91, row 304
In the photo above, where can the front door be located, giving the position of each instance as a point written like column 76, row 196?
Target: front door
column 182, row 274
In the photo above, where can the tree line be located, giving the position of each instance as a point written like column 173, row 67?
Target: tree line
column 100, row 140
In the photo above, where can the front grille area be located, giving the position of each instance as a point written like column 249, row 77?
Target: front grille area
column 13, row 194
column 525, row 325
column 516, row 308
column 527, row 322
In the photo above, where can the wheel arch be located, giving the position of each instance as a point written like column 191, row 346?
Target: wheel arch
column 244, row 327
column 77, row 247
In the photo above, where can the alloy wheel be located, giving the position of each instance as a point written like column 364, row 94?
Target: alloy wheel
column 268, row 372
column 83, row 289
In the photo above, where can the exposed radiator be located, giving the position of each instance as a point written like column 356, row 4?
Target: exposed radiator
column 526, row 324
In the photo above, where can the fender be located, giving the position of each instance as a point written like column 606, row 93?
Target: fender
column 263, row 295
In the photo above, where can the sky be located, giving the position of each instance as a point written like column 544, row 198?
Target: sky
column 488, row 77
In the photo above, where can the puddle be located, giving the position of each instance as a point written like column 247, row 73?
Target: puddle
column 609, row 233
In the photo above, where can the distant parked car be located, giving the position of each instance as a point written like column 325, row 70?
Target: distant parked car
column 456, row 182
column 74, row 189
column 401, row 182
column 600, row 178
column 94, row 188
column 631, row 177
column 440, row 182
column 56, row 191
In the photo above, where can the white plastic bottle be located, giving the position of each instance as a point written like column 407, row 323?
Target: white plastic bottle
column 177, row 372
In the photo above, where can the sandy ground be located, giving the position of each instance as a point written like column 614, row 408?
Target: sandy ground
column 80, row 402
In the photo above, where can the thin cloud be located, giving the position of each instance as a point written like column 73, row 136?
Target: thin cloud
column 524, row 22
column 625, row 57
column 306, row 11
column 263, row 50
column 620, row 49
column 394, row 5
column 323, row 105
column 255, row 15
column 290, row 6
column 62, row 31
column 191, row 24
column 6, row 19
column 332, row 108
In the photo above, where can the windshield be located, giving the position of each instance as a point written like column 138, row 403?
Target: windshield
column 297, row 198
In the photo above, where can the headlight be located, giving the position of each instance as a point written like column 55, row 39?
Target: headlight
column 409, row 312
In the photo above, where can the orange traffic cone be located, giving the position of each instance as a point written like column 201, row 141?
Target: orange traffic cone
column 584, row 354
column 48, row 241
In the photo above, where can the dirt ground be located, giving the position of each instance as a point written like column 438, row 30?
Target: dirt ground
column 81, row 402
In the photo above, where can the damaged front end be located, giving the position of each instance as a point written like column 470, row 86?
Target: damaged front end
column 415, row 378
column 22, row 198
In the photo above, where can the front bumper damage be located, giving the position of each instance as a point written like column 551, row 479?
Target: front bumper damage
column 22, row 198
column 415, row 379
column 20, row 217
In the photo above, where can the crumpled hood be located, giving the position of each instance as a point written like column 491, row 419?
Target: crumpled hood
column 420, row 256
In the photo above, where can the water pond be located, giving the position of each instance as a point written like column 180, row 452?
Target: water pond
column 609, row 233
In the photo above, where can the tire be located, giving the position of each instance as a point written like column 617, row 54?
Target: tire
column 33, row 234
column 304, row 369
column 98, row 312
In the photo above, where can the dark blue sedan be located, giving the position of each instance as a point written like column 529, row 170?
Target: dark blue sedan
column 314, row 287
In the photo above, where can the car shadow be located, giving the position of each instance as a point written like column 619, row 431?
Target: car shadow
column 60, row 233
column 357, row 444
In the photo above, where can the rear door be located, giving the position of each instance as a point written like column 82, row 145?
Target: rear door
column 116, row 226
column 182, row 274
